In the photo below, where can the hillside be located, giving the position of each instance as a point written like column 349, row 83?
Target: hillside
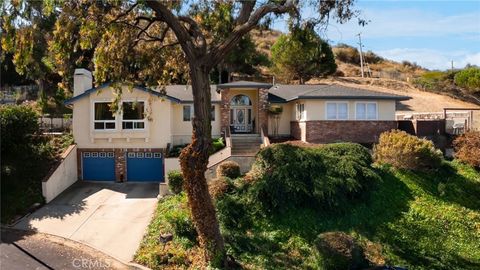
column 385, row 75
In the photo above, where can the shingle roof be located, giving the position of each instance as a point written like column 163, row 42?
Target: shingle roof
column 328, row 91
column 244, row 84
column 184, row 93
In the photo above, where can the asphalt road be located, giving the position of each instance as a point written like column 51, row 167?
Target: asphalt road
column 24, row 251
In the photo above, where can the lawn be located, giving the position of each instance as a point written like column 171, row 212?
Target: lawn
column 418, row 220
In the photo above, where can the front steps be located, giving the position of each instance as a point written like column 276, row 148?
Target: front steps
column 245, row 144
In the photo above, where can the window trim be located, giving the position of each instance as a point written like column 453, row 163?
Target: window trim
column 336, row 113
column 134, row 121
column 299, row 114
column 367, row 102
column 191, row 112
column 103, row 121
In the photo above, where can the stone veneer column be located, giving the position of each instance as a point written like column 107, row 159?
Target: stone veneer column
column 263, row 109
column 120, row 165
column 225, row 108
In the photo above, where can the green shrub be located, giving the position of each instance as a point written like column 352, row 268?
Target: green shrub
column 406, row 151
column 175, row 181
column 176, row 150
column 469, row 78
column 217, row 145
column 18, row 124
column 287, row 176
column 467, row 148
column 229, row 169
column 233, row 213
column 179, row 219
column 219, row 186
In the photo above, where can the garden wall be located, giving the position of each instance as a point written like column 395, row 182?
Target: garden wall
column 63, row 176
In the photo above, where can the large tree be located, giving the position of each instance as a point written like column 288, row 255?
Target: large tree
column 302, row 54
column 153, row 41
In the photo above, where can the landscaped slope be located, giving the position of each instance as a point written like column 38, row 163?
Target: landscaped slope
column 419, row 220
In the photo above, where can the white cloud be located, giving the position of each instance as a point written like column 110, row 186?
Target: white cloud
column 432, row 59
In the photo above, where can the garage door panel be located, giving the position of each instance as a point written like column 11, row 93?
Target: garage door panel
column 98, row 166
column 144, row 167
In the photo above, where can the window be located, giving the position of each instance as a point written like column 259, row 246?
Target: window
column 366, row 111
column 337, row 111
column 300, row 111
column 133, row 115
column 240, row 100
column 187, row 112
column 104, row 119
column 212, row 111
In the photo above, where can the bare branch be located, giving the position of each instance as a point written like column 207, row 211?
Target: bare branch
column 218, row 52
column 123, row 14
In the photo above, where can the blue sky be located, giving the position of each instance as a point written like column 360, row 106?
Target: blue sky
column 430, row 33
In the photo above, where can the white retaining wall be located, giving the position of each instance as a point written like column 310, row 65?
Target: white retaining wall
column 63, row 177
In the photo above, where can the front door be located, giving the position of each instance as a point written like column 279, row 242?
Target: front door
column 241, row 119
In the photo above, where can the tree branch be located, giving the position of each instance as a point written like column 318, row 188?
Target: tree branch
column 123, row 14
column 164, row 14
column 218, row 52
column 247, row 8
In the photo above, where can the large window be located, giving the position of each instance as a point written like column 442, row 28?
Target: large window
column 300, row 111
column 104, row 119
column 187, row 113
column 240, row 100
column 133, row 115
column 337, row 110
column 366, row 111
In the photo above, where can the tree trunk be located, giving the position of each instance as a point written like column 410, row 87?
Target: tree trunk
column 194, row 161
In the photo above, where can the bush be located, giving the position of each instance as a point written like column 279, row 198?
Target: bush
column 469, row 78
column 178, row 217
column 287, row 176
column 217, row 145
column 229, row 169
column 233, row 213
column 18, row 124
column 347, row 54
column 467, row 148
column 220, row 186
column 175, row 181
column 340, row 251
column 406, row 151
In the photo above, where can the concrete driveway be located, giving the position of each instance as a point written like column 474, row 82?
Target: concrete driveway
column 110, row 217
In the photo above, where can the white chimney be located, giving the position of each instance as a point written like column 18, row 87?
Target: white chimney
column 82, row 80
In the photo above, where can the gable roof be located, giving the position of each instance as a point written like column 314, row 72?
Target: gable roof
column 244, row 84
column 288, row 93
column 105, row 85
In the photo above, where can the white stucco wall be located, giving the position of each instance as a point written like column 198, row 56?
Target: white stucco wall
column 284, row 121
column 182, row 130
column 157, row 132
column 63, row 177
column 316, row 109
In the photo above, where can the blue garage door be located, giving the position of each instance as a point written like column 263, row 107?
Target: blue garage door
column 144, row 167
column 98, row 166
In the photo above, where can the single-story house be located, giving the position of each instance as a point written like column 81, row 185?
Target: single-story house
column 130, row 145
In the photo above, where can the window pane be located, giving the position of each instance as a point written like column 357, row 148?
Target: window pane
column 240, row 100
column 342, row 111
column 109, row 125
column 133, row 110
column 361, row 114
column 127, row 125
column 102, row 111
column 212, row 112
column 249, row 116
column 186, row 113
column 371, row 111
column 139, row 125
column 331, row 111
column 99, row 125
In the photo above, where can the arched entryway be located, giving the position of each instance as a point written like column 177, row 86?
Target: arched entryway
column 241, row 114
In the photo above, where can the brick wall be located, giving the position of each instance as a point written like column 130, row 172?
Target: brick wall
column 337, row 131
